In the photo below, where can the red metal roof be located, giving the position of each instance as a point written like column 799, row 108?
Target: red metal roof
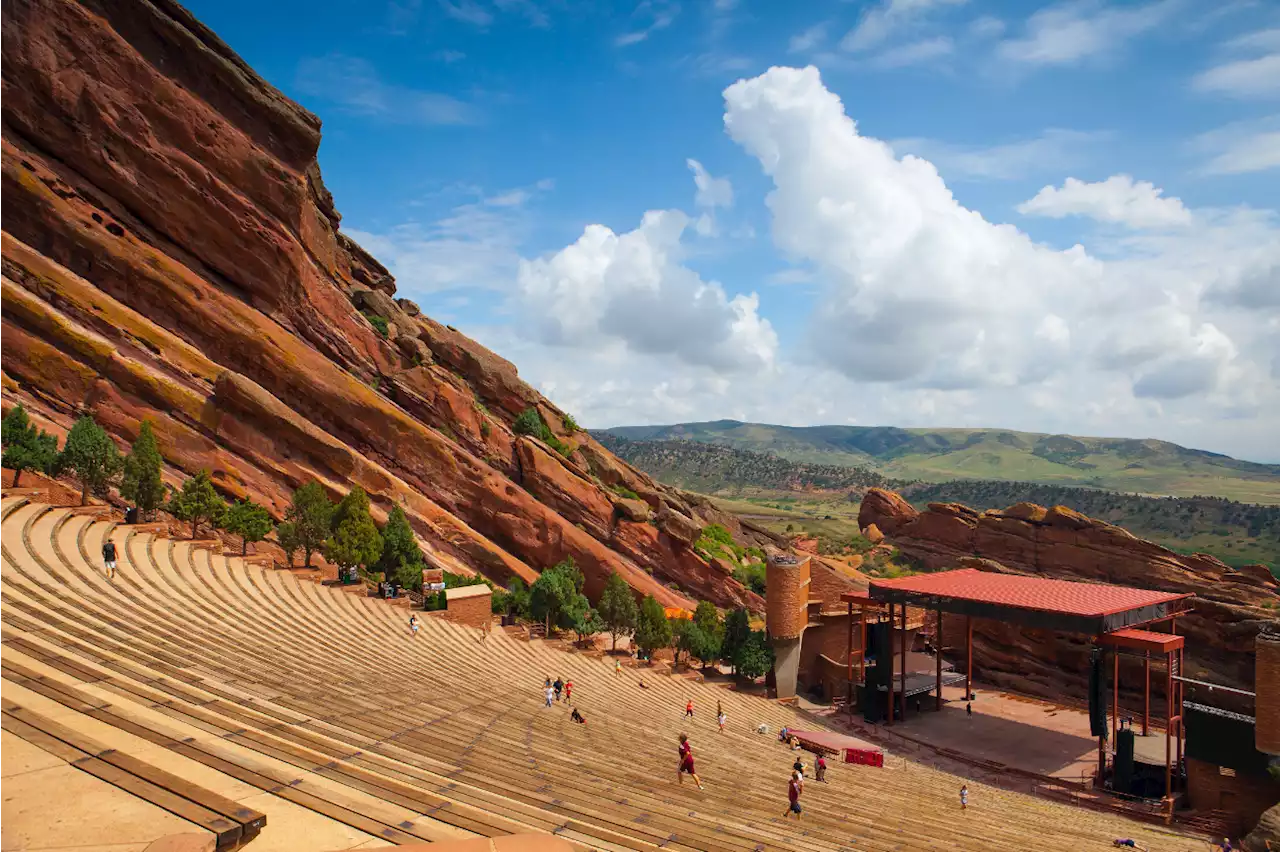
column 1143, row 640
column 1037, row 593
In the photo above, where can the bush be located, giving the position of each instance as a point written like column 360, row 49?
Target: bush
column 569, row 423
column 751, row 575
column 530, row 423
column 379, row 323
column 624, row 491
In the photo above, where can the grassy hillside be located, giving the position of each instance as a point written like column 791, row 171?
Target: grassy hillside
column 937, row 455
column 718, row 469
column 821, row 501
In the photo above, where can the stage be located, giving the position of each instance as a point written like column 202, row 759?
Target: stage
column 1027, row 734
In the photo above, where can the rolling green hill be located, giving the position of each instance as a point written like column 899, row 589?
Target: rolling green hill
column 1142, row 466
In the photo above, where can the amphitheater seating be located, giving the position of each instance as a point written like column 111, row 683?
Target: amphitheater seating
column 324, row 700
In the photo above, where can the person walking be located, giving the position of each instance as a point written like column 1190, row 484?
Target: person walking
column 798, row 768
column 485, row 628
column 964, row 797
column 109, row 558
column 721, row 719
column 413, row 625
column 794, row 787
column 568, row 691
column 559, row 687
column 617, row 668
column 820, row 769
column 968, row 709
column 686, row 762
column 688, row 709
column 550, row 694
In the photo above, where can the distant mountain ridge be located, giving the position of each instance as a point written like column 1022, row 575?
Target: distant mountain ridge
column 1145, row 466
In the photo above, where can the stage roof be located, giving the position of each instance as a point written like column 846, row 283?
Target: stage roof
column 1031, row 601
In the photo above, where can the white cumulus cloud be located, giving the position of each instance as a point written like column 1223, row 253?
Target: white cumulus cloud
column 1118, row 199
column 631, row 290
column 712, row 191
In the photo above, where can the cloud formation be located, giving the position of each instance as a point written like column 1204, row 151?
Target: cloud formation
column 352, row 84
column 1117, row 200
column 924, row 293
column 632, row 290
column 1072, row 32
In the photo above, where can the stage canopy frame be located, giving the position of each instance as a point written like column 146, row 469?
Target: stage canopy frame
column 1109, row 613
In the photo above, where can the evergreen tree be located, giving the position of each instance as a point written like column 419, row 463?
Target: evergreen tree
column 517, row 599
column 308, row 519
column 652, row 630
column 25, row 446
column 755, row 657
column 705, row 634
column 737, row 629
column 91, row 457
column 554, row 595
column 249, row 521
column 141, row 483
column 355, row 540
column 401, row 560
column 618, row 610
column 15, row 425
column 584, row 619
column 198, row 501
column 287, row 536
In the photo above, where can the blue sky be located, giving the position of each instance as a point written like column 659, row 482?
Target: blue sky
column 500, row 155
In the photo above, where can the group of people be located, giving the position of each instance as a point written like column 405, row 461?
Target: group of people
column 554, row 690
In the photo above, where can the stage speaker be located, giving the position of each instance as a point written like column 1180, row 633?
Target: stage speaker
column 1097, row 694
column 1123, row 778
column 878, row 641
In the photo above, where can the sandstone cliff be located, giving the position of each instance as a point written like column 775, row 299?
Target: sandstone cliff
column 170, row 252
column 1230, row 605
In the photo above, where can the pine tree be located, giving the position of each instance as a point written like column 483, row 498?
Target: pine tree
column 287, row 538
column 198, row 501
column 652, row 630
column 355, row 540
column 401, row 560
column 91, row 457
column 25, row 446
column 308, row 519
column 249, row 521
column 141, row 483
column 617, row 608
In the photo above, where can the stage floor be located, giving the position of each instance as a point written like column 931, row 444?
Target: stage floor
column 1026, row 733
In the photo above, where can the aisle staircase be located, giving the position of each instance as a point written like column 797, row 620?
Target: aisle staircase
column 192, row 665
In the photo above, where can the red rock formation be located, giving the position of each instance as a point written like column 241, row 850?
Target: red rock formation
column 1230, row 605
column 170, row 252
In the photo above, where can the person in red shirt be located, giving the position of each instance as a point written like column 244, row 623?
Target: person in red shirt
column 688, row 709
column 686, row 762
column 794, row 788
column 568, row 691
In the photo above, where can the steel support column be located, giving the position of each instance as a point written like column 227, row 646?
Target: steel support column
column 937, row 651
column 1146, row 693
column 887, row 655
column 903, row 644
column 1115, row 698
column 849, row 697
column 968, row 651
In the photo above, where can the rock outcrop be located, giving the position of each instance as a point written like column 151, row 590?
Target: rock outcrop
column 170, row 253
column 1230, row 606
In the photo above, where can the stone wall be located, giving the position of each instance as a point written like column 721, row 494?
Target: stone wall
column 472, row 609
column 1243, row 797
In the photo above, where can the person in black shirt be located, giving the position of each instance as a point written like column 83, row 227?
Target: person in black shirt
column 109, row 558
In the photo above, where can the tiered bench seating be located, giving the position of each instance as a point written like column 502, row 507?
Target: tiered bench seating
column 324, row 701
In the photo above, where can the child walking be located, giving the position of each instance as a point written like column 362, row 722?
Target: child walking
column 686, row 762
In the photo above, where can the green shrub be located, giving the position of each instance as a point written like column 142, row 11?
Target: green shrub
column 379, row 323
column 624, row 491
column 570, row 424
column 530, row 423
